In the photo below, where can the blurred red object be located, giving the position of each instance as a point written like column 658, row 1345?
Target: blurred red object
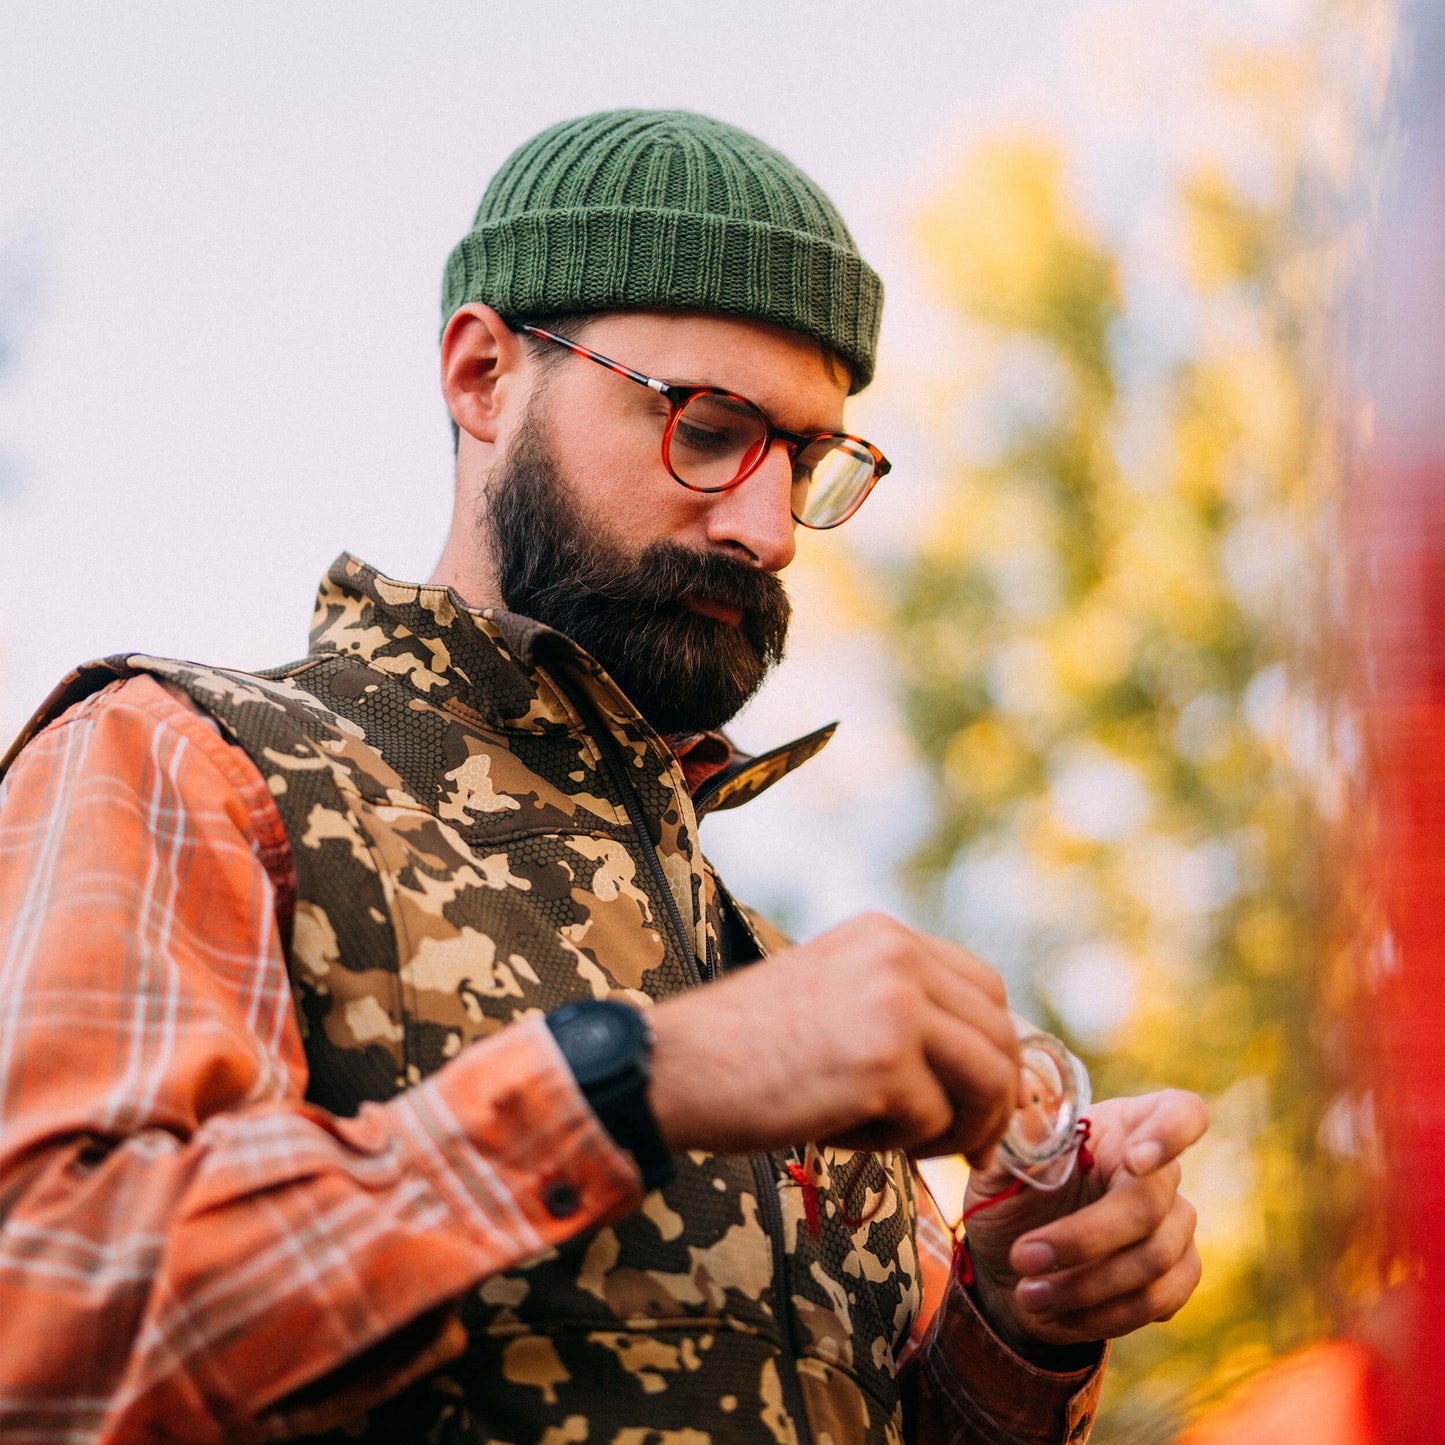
column 1399, row 545
column 1324, row 1395
column 1392, row 1391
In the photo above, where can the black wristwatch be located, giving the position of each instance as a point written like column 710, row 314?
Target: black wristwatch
column 608, row 1047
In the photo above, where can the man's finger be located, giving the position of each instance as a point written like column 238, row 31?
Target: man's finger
column 961, row 998
column 923, row 1113
column 969, row 990
column 1161, row 1127
column 1123, row 1273
column 963, row 962
column 1160, row 1300
column 1129, row 1210
column 979, row 1078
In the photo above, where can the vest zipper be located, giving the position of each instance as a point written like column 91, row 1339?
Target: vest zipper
column 792, row 1383
column 611, row 755
column 763, row 1173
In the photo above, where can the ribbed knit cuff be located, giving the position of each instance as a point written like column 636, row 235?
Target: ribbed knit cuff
column 600, row 259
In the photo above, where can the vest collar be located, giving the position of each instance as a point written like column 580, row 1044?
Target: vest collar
column 493, row 665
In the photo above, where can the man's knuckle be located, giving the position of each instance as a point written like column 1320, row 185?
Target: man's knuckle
column 935, row 1117
column 894, row 1008
column 874, row 1064
column 890, row 960
column 885, row 932
column 874, row 1100
column 1174, row 1298
column 1167, row 1296
column 1188, row 1215
column 1161, row 1189
column 1160, row 1299
column 993, row 985
column 1160, row 1254
column 1146, row 1212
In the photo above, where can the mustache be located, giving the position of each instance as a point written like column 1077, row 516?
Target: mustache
column 652, row 594
column 670, row 573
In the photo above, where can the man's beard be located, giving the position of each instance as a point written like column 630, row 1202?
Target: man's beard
column 684, row 672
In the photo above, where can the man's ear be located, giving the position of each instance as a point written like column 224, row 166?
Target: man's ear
column 482, row 369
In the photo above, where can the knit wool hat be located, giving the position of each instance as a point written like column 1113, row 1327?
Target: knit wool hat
column 630, row 209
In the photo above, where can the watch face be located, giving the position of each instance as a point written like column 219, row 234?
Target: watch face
column 599, row 1039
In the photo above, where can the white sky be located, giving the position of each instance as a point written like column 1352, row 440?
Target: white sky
column 236, row 218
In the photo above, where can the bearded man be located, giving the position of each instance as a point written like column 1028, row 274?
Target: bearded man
column 379, row 1053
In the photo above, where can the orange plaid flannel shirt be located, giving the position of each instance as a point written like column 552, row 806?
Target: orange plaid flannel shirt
column 191, row 1251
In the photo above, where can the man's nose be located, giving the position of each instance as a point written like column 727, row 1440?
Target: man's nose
column 757, row 514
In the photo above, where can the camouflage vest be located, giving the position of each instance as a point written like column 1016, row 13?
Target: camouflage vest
column 483, row 829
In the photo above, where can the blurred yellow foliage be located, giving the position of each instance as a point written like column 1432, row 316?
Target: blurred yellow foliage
column 1099, row 655
column 1227, row 239
column 1009, row 250
column 988, row 757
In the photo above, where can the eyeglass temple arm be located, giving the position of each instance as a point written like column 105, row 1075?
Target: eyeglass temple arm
column 795, row 440
column 651, row 382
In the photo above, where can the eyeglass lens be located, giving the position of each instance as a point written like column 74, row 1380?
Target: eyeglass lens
column 715, row 439
column 830, row 478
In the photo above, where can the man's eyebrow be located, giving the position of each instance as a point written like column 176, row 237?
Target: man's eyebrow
column 767, row 411
column 734, row 401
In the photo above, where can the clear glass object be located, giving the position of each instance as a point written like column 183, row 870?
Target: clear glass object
column 1043, row 1137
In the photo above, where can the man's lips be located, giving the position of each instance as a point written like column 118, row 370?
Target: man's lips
column 720, row 610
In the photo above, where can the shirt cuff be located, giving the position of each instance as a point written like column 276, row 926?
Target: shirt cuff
column 515, row 1145
column 1005, row 1400
column 517, row 1163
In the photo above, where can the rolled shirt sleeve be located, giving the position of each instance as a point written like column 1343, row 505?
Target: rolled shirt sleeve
column 964, row 1386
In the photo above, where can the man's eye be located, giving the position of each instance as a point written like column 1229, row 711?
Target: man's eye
column 703, row 439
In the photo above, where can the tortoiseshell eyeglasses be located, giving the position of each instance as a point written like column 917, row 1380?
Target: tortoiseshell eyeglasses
column 715, row 439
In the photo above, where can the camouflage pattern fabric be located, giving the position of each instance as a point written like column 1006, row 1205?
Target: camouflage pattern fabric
column 483, row 829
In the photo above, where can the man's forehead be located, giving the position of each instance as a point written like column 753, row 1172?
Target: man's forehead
column 795, row 378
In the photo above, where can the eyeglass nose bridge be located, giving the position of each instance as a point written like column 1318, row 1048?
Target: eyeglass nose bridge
column 790, row 440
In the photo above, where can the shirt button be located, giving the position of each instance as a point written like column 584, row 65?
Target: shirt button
column 561, row 1199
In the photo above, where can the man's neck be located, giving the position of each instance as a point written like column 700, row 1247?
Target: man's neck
column 465, row 567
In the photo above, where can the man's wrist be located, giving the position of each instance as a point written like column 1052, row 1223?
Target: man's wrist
column 992, row 1303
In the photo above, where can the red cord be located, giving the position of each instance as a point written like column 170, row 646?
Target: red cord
column 962, row 1260
column 804, row 1181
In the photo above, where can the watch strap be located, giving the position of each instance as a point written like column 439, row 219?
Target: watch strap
column 615, row 1086
column 623, row 1108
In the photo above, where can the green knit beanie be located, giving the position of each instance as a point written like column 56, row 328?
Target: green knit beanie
column 629, row 209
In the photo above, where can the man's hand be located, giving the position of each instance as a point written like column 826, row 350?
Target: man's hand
column 871, row 1036
column 1110, row 1251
